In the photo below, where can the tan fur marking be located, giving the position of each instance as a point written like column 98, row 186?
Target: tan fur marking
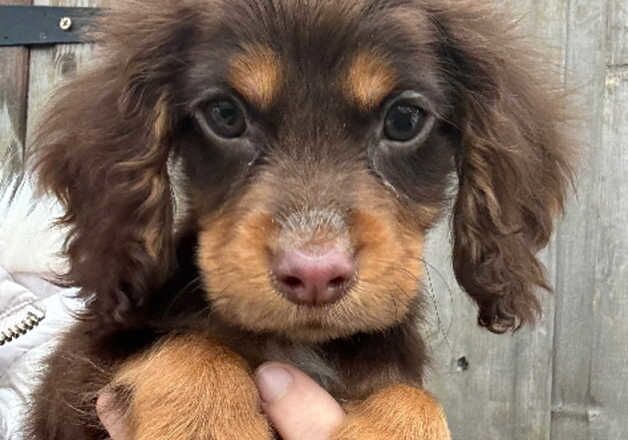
column 395, row 412
column 386, row 264
column 161, row 127
column 256, row 74
column 370, row 80
column 190, row 387
column 157, row 180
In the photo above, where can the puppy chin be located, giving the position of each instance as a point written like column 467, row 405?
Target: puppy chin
column 307, row 331
column 320, row 329
column 314, row 334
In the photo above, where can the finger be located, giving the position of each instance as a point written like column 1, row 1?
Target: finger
column 112, row 417
column 296, row 405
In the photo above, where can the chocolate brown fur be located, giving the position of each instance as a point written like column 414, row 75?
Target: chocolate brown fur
column 170, row 230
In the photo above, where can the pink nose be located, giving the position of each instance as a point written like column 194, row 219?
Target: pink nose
column 314, row 279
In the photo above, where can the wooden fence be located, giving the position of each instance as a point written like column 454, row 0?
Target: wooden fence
column 566, row 379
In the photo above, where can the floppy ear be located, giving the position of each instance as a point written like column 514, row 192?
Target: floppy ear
column 103, row 149
column 513, row 164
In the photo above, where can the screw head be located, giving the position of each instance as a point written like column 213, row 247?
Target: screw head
column 65, row 23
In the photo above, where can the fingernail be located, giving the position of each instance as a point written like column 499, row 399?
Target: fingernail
column 273, row 382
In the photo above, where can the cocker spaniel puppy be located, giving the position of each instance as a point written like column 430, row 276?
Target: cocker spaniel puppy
column 252, row 180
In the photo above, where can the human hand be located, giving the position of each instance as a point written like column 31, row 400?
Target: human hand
column 296, row 405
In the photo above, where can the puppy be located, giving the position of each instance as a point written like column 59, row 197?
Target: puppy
column 252, row 180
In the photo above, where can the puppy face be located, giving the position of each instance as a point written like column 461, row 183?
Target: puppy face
column 309, row 146
column 315, row 161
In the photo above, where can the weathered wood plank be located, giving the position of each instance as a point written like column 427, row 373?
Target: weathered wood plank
column 609, row 355
column 577, row 413
column 13, row 92
column 51, row 65
column 609, row 352
column 618, row 33
column 506, row 391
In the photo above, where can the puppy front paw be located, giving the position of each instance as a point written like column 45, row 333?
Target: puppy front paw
column 398, row 412
column 192, row 388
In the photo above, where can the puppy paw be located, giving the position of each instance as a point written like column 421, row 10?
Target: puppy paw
column 396, row 412
column 191, row 388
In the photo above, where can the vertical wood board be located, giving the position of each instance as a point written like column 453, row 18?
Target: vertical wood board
column 14, row 65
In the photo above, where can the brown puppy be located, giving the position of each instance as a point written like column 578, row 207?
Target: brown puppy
column 252, row 180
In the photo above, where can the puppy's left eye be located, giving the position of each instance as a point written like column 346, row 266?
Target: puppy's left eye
column 404, row 122
column 225, row 117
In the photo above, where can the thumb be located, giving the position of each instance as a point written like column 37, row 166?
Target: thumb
column 296, row 405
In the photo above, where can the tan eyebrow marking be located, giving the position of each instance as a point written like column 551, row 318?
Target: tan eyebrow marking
column 371, row 78
column 256, row 74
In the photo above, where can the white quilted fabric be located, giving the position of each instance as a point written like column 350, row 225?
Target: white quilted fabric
column 29, row 253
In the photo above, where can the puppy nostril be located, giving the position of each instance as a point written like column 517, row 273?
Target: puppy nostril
column 337, row 282
column 292, row 282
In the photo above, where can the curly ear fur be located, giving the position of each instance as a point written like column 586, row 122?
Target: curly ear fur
column 103, row 149
column 513, row 167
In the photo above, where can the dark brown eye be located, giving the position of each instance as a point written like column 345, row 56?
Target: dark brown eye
column 404, row 122
column 225, row 118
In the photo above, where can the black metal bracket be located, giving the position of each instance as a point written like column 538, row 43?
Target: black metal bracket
column 36, row 25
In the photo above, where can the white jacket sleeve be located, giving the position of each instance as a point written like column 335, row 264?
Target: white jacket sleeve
column 35, row 313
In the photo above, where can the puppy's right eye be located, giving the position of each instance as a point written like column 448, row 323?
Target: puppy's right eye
column 407, row 120
column 404, row 122
column 225, row 118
